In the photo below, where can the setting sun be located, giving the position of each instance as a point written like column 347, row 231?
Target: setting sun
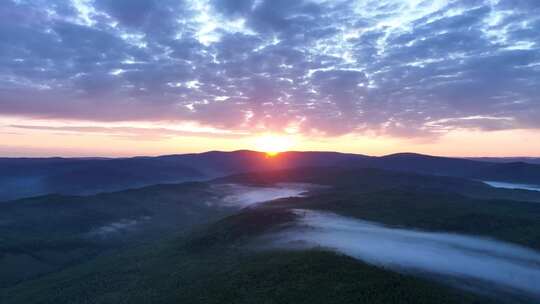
column 273, row 144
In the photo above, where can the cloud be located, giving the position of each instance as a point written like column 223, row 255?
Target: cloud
column 328, row 67
column 245, row 196
column 146, row 133
column 484, row 265
column 118, row 228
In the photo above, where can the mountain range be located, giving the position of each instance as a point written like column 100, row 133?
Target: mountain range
column 24, row 177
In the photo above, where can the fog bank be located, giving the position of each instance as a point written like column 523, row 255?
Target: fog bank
column 244, row 196
column 465, row 259
column 513, row 186
column 119, row 227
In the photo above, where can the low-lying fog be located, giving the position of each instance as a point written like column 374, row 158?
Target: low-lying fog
column 465, row 259
column 244, row 196
column 230, row 195
column 513, row 186
column 118, row 227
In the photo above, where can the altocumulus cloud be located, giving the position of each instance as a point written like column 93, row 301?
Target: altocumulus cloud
column 402, row 68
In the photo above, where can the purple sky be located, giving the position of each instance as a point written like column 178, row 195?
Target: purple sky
column 404, row 69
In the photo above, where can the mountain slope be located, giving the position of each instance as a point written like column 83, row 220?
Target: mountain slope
column 530, row 160
column 48, row 233
column 230, row 259
column 516, row 172
column 30, row 177
column 26, row 177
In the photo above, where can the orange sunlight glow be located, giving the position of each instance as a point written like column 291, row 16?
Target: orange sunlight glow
column 273, row 144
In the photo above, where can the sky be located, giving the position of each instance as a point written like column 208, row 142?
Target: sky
column 151, row 77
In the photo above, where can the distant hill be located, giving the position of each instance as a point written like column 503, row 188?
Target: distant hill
column 46, row 233
column 517, row 172
column 374, row 179
column 25, row 177
column 30, row 177
column 530, row 160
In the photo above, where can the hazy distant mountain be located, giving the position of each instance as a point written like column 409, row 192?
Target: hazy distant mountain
column 530, row 160
column 24, row 177
column 517, row 172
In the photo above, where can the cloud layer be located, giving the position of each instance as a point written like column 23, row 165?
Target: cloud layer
column 246, row 196
column 472, row 262
column 403, row 68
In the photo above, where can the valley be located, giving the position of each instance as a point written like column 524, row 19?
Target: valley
column 271, row 224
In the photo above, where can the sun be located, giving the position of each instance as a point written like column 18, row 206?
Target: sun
column 273, row 144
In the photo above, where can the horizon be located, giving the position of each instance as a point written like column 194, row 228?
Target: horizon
column 270, row 154
column 107, row 78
